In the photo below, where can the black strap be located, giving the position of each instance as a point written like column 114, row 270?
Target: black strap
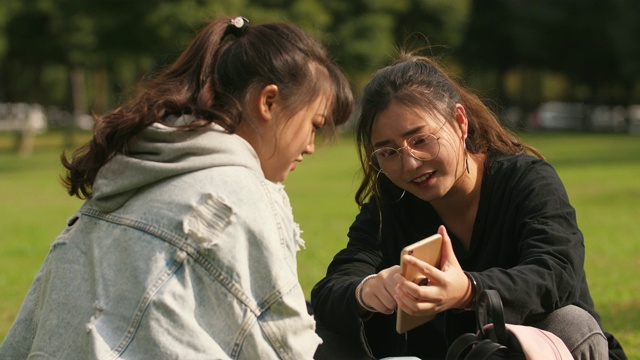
column 487, row 343
column 484, row 350
column 461, row 345
column 489, row 310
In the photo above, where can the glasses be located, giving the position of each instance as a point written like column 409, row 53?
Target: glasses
column 421, row 146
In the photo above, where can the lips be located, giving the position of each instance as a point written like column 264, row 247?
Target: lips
column 423, row 179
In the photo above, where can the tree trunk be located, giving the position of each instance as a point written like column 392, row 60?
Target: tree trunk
column 79, row 98
column 101, row 91
column 25, row 138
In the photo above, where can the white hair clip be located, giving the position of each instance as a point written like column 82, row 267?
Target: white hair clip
column 238, row 26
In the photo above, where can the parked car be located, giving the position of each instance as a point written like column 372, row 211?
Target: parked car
column 22, row 117
column 555, row 115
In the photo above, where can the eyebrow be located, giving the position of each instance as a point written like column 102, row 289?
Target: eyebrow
column 412, row 131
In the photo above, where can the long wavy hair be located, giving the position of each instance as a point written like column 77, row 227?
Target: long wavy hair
column 419, row 82
column 211, row 80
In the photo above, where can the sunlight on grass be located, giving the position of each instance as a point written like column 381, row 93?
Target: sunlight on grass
column 600, row 171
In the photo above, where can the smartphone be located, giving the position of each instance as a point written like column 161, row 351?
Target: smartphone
column 429, row 251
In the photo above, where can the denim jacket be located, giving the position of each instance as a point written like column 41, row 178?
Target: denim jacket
column 185, row 251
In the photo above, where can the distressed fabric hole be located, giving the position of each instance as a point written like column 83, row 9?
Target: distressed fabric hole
column 297, row 237
column 56, row 244
column 208, row 220
column 180, row 256
column 94, row 318
column 72, row 220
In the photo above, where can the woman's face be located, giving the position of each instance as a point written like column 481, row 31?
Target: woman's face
column 397, row 126
column 291, row 138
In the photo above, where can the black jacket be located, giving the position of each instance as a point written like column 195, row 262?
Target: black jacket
column 526, row 244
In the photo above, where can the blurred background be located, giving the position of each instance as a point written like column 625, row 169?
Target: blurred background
column 564, row 74
column 544, row 64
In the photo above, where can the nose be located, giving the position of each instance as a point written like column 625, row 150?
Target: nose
column 311, row 147
column 408, row 160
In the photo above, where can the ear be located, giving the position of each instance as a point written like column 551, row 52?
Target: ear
column 269, row 95
column 461, row 119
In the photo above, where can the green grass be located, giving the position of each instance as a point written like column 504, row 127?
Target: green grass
column 601, row 173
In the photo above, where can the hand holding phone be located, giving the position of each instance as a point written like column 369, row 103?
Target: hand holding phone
column 428, row 250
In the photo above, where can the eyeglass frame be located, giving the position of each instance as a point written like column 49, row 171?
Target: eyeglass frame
column 378, row 167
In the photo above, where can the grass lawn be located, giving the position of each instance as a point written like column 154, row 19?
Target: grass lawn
column 600, row 171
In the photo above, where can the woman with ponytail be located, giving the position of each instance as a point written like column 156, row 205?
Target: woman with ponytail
column 435, row 159
column 185, row 246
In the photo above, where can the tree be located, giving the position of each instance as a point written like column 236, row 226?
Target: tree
column 588, row 43
column 369, row 33
column 488, row 43
column 625, row 30
column 440, row 22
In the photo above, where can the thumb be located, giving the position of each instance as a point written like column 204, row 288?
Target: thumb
column 448, row 256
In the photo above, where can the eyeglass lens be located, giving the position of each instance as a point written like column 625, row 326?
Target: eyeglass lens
column 421, row 146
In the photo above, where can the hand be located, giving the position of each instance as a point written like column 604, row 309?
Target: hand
column 449, row 287
column 377, row 292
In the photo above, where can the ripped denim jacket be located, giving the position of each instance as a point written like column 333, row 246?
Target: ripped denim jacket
column 197, row 266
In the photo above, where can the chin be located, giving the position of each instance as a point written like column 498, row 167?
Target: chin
column 429, row 195
column 278, row 177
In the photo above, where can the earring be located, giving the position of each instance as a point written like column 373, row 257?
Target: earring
column 375, row 184
column 466, row 160
column 378, row 192
column 466, row 156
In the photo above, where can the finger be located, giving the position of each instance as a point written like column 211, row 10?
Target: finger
column 404, row 305
column 411, row 305
column 377, row 304
column 425, row 268
column 377, row 296
column 407, row 287
column 406, row 302
column 387, row 302
column 448, row 255
column 417, row 292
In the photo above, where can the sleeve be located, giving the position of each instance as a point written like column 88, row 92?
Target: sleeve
column 547, row 243
column 288, row 328
column 333, row 298
column 18, row 341
column 285, row 321
column 248, row 273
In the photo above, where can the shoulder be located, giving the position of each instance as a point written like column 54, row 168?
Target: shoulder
column 523, row 177
column 248, row 198
column 235, row 182
column 518, row 168
column 513, row 163
column 210, row 202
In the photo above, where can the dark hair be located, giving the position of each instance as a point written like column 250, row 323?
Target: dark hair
column 418, row 81
column 211, row 80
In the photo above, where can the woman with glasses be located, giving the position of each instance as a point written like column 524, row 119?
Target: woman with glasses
column 437, row 160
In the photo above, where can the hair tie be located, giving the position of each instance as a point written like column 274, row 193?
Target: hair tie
column 237, row 26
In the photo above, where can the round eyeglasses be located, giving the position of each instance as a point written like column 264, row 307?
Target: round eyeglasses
column 421, row 146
